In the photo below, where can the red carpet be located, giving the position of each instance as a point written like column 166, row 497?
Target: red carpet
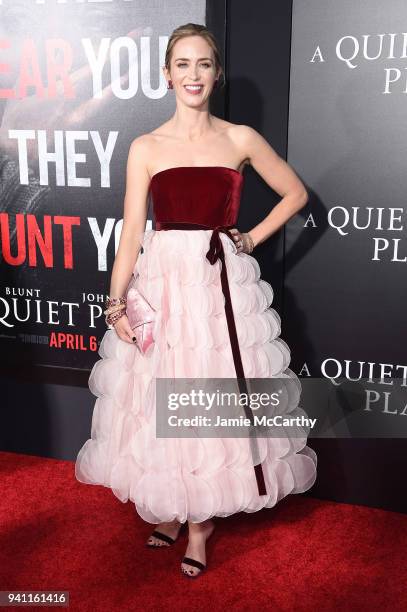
column 304, row 554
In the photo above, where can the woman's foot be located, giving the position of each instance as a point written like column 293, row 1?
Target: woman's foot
column 170, row 529
column 198, row 535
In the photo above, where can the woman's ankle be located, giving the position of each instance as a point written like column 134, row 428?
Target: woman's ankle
column 200, row 527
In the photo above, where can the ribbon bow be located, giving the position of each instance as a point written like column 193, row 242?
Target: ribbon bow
column 215, row 245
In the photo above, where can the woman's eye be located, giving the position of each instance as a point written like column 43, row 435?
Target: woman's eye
column 206, row 64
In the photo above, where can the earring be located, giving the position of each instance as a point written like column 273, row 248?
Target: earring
column 170, row 85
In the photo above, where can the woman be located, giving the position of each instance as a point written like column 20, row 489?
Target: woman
column 193, row 165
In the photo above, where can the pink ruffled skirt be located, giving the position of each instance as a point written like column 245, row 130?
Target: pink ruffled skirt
column 190, row 478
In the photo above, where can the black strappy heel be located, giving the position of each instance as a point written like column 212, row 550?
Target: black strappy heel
column 194, row 563
column 164, row 537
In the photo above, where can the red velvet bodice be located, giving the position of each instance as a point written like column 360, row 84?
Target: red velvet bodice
column 208, row 195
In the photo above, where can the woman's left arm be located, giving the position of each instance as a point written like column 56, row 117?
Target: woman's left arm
column 278, row 174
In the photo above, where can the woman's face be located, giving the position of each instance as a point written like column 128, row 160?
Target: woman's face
column 192, row 63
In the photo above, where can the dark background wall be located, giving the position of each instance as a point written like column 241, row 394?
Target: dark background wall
column 362, row 471
column 54, row 419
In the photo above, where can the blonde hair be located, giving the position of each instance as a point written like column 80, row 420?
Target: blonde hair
column 195, row 29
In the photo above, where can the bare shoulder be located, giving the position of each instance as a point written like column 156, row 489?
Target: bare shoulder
column 227, row 127
column 143, row 149
column 141, row 144
column 138, row 146
column 245, row 135
column 265, row 160
column 140, row 152
column 246, row 140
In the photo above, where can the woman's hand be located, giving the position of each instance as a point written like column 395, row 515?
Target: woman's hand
column 124, row 331
column 242, row 241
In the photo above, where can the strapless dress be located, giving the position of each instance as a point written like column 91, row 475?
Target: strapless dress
column 214, row 320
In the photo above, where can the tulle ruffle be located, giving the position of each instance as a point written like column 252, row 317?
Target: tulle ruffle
column 191, row 478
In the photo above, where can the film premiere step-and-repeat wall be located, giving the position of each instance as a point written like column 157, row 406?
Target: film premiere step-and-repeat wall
column 346, row 252
column 79, row 81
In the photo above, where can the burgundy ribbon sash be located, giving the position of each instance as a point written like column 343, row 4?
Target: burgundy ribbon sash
column 214, row 253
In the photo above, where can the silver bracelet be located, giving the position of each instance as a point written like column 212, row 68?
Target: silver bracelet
column 251, row 243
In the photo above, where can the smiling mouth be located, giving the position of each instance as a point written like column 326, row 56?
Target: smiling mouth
column 193, row 87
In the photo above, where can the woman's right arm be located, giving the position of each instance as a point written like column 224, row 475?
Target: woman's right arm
column 134, row 223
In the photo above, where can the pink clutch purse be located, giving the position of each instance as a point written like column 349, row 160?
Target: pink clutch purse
column 141, row 316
